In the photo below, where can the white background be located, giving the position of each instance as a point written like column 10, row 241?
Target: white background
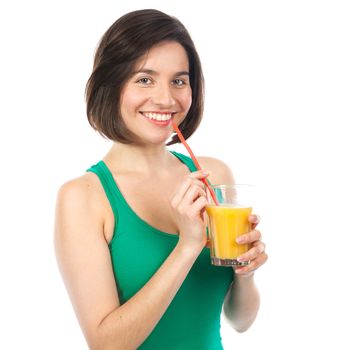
column 277, row 99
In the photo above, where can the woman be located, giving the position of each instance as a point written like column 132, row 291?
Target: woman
column 130, row 233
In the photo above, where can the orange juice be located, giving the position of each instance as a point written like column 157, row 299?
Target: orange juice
column 226, row 223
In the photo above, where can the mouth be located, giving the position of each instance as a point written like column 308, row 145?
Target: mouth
column 159, row 118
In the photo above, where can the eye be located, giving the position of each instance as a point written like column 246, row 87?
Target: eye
column 144, row 81
column 179, row 82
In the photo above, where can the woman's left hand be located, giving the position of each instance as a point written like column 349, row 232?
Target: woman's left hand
column 256, row 254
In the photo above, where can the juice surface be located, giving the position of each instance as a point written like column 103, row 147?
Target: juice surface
column 225, row 224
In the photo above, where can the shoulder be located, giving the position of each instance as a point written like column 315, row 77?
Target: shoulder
column 78, row 191
column 82, row 200
column 220, row 172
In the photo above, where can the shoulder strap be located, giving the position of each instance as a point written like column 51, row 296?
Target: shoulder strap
column 108, row 184
column 186, row 160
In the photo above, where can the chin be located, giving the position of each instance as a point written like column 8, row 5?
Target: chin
column 158, row 142
column 159, row 139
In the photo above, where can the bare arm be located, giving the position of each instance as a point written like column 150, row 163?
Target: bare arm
column 84, row 259
column 129, row 325
column 242, row 301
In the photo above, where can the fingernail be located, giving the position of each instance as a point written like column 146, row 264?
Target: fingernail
column 240, row 239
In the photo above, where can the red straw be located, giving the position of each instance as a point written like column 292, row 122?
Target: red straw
column 195, row 161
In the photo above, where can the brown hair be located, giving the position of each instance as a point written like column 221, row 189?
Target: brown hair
column 128, row 39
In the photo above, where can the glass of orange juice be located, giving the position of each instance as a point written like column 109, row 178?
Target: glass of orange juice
column 227, row 221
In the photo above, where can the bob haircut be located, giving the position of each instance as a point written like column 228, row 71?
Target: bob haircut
column 119, row 49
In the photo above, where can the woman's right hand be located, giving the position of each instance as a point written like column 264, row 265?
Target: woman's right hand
column 188, row 204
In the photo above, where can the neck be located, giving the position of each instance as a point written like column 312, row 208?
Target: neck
column 140, row 159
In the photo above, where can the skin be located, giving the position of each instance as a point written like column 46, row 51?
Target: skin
column 173, row 201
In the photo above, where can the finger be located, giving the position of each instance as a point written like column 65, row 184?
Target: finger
column 197, row 206
column 253, row 253
column 254, row 220
column 208, row 243
column 183, row 187
column 190, row 197
column 193, row 193
column 207, row 191
column 254, row 265
column 200, row 174
column 249, row 237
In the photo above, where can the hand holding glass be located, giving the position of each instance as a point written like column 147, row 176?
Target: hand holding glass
column 227, row 221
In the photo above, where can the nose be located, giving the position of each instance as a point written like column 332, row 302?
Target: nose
column 163, row 96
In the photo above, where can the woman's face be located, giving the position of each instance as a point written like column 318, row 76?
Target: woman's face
column 158, row 91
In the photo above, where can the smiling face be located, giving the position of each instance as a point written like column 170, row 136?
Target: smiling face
column 158, row 91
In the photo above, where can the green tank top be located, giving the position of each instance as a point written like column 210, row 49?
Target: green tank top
column 192, row 320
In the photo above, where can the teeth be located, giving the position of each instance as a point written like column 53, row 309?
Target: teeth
column 158, row 116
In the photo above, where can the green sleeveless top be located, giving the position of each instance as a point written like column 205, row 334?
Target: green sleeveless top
column 192, row 320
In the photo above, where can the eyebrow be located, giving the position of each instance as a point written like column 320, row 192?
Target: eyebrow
column 153, row 72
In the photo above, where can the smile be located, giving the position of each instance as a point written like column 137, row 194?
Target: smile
column 157, row 116
column 160, row 119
